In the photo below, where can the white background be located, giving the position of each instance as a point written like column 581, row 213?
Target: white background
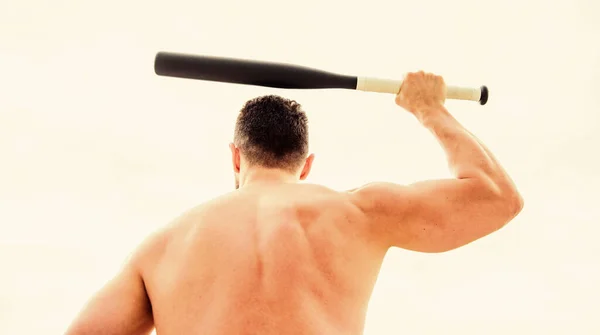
column 96, row 151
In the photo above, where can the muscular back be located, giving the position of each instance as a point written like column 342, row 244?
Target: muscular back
column 283, row 258
column 269, row 259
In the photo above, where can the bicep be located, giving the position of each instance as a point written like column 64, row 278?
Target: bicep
column 432, row 216
column 120, row 307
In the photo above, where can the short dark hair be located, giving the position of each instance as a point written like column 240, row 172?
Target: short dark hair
column 272, row 132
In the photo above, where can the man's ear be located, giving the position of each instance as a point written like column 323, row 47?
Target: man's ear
column 235, row 157
column 307, row 166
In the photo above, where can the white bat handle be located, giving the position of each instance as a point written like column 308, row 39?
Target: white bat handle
column 372, row 84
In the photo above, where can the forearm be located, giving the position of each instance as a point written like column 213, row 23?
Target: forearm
column 467, row 156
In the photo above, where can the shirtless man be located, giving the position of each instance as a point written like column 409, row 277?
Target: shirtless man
column 280, row 257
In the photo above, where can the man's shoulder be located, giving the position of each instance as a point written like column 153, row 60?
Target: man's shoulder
column 236, row 198
column 292, row 194
column 316, row 192
column 323, row 197
column 302, row 195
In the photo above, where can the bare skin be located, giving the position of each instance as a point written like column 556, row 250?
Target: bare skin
column 279, row 257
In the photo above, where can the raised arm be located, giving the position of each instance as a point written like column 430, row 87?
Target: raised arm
column 441, row 215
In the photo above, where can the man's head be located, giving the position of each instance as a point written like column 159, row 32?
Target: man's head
column 271, row 136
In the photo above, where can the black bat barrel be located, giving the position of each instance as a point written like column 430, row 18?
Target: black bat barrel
column 248, row 72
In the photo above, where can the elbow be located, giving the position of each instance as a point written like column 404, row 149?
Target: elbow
column 512, row 203
column 516, row 204
column 508, row 198
column 508, row 203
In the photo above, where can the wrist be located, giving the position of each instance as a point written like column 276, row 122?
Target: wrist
column 431, row 115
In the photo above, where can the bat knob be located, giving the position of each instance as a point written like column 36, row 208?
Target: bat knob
column 484, row 95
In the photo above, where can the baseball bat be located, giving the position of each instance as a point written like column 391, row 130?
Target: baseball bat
column 286, row 76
